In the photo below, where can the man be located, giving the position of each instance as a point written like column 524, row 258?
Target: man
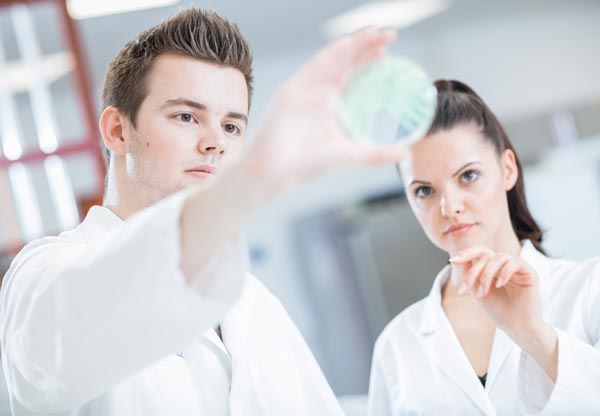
column 116, row 316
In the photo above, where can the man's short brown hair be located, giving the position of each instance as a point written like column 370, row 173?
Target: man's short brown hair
column 199, row 34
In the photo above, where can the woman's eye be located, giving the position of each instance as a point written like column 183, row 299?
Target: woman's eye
column 423, row 191
column 231, row 129
column 469, row 176
column 185, row 117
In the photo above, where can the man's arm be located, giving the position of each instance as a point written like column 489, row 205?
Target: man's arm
column 78, row 317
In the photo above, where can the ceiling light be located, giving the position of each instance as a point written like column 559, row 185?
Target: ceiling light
column 398, row 14
column 84, row 9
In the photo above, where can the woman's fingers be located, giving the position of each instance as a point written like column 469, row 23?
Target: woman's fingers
column 481, row 268
column 490, row 273
column 470, row 254
column 471, row 261
column 505, row 274
column 472, row 273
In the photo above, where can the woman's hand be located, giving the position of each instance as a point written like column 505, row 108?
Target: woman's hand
column 506, row 286
column 508, row 290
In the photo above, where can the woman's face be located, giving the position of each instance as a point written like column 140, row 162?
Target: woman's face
column 456, row 185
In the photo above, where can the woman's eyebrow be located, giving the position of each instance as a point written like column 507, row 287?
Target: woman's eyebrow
column 464, row 166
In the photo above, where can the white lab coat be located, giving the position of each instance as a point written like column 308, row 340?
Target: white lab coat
column 420, row 368
column 94, row 322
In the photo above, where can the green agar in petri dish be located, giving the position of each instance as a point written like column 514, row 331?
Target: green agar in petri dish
column 391, row 100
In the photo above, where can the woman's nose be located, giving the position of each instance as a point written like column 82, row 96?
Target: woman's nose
column 451, row 204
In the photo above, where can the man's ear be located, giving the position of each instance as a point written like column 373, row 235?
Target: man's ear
column 112, row 127
column 510, row 170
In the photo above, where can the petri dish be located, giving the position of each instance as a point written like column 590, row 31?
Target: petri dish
column 391, row 100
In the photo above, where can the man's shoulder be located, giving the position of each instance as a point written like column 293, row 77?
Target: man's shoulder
column 67, row 238
column 260, row 293
column 260, row 302
column 48, row 247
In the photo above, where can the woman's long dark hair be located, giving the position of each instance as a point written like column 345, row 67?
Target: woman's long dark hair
column 458, row 104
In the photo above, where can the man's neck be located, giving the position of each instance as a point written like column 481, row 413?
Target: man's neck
column 120, row 198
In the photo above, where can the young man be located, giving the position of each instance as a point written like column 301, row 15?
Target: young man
column 116, row 316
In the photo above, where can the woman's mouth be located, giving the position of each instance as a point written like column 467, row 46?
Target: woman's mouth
column 458, row 229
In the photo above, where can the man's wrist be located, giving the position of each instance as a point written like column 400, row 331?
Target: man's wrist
column 261, row 179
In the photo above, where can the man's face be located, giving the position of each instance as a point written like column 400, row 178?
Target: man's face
column 193, row 117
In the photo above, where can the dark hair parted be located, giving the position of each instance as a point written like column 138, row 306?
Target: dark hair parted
column 458, row 104
column 195, row 33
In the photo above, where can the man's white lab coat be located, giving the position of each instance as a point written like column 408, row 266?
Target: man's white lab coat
column 100, row 321
column 420, row 368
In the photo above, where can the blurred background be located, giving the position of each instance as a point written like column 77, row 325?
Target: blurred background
column 343, row 253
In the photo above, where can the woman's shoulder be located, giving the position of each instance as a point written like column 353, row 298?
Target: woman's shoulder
column 578, row 270
column 560, row 271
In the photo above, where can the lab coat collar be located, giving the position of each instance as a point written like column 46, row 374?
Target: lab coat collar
column 540, row 263
column 97, row 222
column 433, row 306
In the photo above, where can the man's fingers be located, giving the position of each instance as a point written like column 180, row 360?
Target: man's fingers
column 382, row 154
column 339, row 59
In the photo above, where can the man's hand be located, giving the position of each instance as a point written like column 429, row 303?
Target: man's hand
column 301, row 135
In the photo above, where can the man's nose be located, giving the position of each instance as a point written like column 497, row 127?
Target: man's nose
column 212, row 142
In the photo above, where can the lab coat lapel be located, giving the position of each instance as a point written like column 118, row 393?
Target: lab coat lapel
column 266, row 378
column 237, row 322
column 540, row 264
column 445, row 350
column 235, row 329
column 500, row 351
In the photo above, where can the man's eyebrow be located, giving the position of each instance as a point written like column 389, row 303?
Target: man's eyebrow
column 202, row 107
column 183, row 101
column 238, row 116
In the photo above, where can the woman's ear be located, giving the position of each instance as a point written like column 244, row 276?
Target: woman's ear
column 112, row 129
column 510, row 170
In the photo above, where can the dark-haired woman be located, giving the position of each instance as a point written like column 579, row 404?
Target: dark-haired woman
column 505, row 329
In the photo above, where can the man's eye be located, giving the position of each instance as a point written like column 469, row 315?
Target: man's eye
column 231, row 129
column 423, row 191
column 185, row 117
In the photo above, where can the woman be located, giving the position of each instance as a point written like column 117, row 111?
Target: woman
column 505, row 329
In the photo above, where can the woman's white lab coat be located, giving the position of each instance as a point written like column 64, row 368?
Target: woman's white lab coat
column 419, row 366
column 100, row 321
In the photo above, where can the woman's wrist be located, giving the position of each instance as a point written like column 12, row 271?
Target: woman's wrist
column 540, row 341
